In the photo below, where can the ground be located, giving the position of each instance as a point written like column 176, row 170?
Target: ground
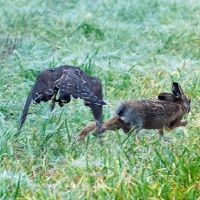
column 137, row 49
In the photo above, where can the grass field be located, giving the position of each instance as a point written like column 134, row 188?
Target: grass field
column 137, row 48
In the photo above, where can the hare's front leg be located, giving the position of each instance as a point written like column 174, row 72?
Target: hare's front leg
column 161, row 134
column 182, row 123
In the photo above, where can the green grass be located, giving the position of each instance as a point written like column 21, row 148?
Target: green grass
column 137, row 48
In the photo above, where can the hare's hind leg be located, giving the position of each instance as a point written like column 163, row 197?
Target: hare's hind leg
column 85, row 131
column 111, row 124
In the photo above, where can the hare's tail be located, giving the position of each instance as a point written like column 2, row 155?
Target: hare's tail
column 111, row 124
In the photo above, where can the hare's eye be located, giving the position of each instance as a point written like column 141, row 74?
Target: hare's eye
column 189, row 100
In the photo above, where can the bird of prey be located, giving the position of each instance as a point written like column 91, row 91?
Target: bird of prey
column 68, row 81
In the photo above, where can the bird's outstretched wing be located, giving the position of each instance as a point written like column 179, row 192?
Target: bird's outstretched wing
column 72, row 83
column 43, row 89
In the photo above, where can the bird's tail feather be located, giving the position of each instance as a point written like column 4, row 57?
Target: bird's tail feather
column 25, row 111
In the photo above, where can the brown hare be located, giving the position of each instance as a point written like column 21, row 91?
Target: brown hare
column 165, row 112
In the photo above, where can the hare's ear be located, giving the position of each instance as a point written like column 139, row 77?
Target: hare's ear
column 166, row 96
column 177, row 90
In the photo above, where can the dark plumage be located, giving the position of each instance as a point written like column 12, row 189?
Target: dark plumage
column 68, row 81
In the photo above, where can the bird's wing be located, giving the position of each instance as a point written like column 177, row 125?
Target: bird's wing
column 96, row 87
column 42, row 90
column 79, row 85
column 72, row 83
